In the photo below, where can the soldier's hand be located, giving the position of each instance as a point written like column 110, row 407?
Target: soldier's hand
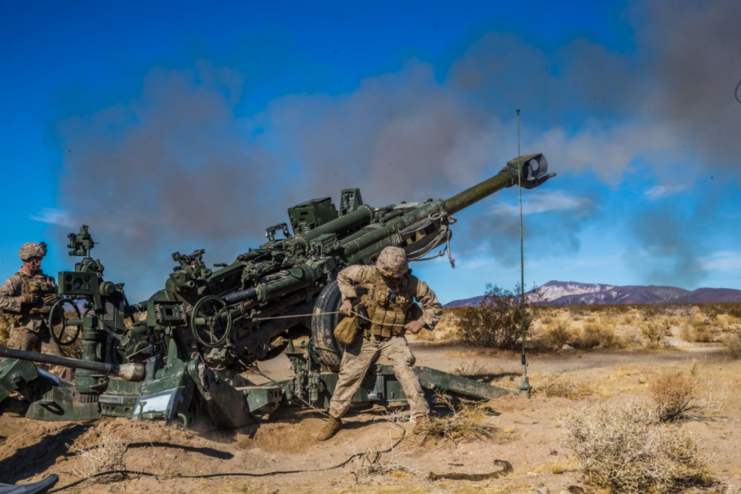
column 31, row 299
column 346, row 307
column 51, row 299
column 415, row 327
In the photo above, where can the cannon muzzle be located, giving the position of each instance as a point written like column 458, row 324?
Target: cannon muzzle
column 530, row 171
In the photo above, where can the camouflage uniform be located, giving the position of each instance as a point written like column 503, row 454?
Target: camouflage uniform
column 389, row 309
column 29, row 331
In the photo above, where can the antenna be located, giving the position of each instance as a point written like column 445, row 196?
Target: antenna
column 524, row 386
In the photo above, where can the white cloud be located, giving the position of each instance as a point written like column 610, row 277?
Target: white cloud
column 662, row 191
column 722, row 261
column 547, row 201
column 54, row 217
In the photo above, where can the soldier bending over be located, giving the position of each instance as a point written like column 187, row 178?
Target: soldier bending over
column 388, row 291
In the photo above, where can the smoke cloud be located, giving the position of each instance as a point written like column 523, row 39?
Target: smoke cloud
column 175, row 168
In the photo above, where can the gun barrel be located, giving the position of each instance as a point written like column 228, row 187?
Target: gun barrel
column 130, row 372
column 479, row 191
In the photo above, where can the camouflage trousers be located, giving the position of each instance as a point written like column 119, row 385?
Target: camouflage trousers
column 355, row 362
column 22, row 338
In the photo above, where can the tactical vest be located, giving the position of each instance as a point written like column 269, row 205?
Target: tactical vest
column 388, row 309
column 38, row 285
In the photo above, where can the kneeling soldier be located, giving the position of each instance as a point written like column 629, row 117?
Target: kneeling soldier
column 389, row 296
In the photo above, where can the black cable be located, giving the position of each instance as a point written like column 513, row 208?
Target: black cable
column 735, row 93
column 228, row 474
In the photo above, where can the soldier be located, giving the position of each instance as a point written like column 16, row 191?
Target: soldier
column 27, row 296
column 388, row 290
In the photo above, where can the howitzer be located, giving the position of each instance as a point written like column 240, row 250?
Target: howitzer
column 205, row 327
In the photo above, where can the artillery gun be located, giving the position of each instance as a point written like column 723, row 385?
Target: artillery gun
column 181, row 361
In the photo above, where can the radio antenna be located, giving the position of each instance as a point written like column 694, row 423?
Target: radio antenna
column 524, row 386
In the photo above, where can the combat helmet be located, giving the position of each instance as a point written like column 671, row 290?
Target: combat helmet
column 392, row 264
column 32, row 249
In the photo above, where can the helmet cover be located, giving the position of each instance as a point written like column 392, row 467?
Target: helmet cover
column 32, row 249
column 392, row 262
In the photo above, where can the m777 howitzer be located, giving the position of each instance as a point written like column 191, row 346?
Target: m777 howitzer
column 181, row 362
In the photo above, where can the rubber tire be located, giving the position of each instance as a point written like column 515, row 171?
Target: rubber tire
column 323, row 324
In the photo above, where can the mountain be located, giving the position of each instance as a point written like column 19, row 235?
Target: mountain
column 574, row 293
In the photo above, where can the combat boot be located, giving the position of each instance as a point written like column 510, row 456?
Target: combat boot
column 421, row 424
column 331, row 427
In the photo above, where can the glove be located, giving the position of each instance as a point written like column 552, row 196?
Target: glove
column 346, row 307
column 415, row 327
column 32, row 299
column 51, row 299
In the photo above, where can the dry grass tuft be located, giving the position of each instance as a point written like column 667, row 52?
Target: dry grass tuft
column 627, row 449
column 464, row 424
column 470, row 369
column 655, row 332
column 105, row 454
column 677, row 397
column 558, row 336
column 558, row 385
column 593, row 336
column 732, row 346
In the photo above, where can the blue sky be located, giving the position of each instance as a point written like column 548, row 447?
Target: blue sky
column 176, row 126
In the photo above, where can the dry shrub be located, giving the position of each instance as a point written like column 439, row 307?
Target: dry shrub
column 558, row 336
column 679, row 396
column 675, row 396
column 463, row 424
column 470, row 369
column 593, row 336
column 497, row 322
column 102, row 455
column 732, row 346
column 655, row 331
column 697, row 332
column 627, row 449
column 558, row 385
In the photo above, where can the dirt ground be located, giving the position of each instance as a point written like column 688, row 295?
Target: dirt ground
column 527, row 435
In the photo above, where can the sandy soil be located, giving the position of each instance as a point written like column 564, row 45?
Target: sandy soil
column 527, row 437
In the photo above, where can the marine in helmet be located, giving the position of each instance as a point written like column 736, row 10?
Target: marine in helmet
column 27, row 297
column 389, row 292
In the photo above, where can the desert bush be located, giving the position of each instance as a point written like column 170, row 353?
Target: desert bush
column 559, row 385
column 698, row 332
column 497, row 321
column 546, row 320
column 592, row 336
column 627, row 449
column 675, row 396
column 105, row 454
column 655, row 331
column 463, row 424
column 558, row 336
column 732, row 346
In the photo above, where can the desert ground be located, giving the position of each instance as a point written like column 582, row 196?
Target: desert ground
column 582, row 362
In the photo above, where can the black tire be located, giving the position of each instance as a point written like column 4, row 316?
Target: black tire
column 323, row 324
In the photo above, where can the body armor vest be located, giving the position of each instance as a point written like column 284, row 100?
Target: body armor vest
column 388, row 309
column 36, row 285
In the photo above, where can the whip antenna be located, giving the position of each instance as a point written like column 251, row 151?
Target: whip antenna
column 524, row 386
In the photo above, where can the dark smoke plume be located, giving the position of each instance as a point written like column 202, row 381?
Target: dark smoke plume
column 174, row 168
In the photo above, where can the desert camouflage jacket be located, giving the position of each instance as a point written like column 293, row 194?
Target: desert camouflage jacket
column 13, row 289
column 355, row 281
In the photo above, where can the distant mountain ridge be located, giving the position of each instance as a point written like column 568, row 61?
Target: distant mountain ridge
column 574, row 293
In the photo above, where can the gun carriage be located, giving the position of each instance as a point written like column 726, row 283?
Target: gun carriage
column 181, row 361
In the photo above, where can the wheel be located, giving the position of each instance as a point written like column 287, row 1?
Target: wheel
column 63, row 325
column 323, row 324
column 211, row 321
